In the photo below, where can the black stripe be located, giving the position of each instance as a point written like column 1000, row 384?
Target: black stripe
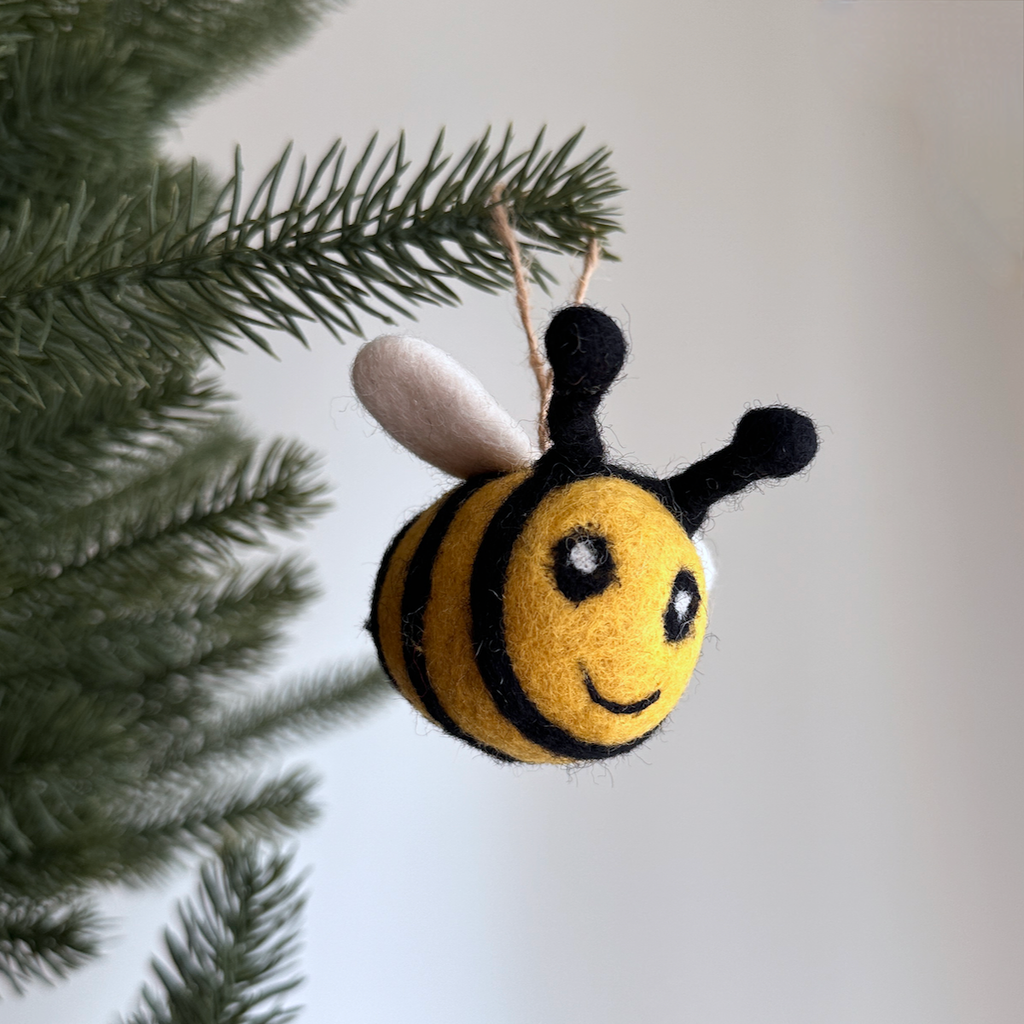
column 486, row 596
column 416, row 596
column 373, row 622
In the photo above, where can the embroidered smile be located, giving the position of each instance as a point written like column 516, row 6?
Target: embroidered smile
column 613, row 706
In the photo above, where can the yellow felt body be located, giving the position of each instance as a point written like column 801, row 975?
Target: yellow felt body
column 447, row 633
column 389, row 607
column 617, row 637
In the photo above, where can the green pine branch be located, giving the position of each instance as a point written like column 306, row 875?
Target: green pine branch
column 346, row 243
column 109, row 74
column 44, row 940
column 232, row 961
column 112, row 646
column 193, row 48
column 126, row 618
column 207, row 809
column 211, row 491
column 137, row 833
column 90, row 692
column 69, row 445
column 22, row 21
column 287, row 713
column 71, row 109
column 58, row 740
column 88, row 746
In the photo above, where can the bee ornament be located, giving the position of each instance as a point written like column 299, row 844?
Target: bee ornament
column 548, row 609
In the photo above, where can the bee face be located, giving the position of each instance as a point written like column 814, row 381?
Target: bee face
column 604, row 610
column 583, row 650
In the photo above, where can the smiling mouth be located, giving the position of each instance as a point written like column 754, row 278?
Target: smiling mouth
column 615, row 708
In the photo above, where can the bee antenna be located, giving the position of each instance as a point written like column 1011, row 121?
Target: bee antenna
column 769, row 443
column 586, row 350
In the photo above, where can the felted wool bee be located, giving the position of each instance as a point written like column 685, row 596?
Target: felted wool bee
column 549, row 610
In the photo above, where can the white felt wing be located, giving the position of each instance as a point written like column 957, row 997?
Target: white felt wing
column 436, row 408
column 707, row 560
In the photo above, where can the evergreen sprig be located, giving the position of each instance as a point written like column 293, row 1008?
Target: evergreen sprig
column 88, row 86
column 311, row 704
column 221, row 489
column 126, row 621
column 191, row 48
column 233, row 959
column 76, row 441
column 145, row 831
column 76, row 302
column 43, row 941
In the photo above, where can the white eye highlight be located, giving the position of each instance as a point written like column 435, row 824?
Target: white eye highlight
column 583, row 557
column 582, row 565
column 681, row 602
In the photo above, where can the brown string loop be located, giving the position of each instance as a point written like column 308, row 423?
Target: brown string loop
column 541, row 371
column 590, row 262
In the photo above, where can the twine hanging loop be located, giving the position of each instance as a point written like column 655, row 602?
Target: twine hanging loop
column 541, row 371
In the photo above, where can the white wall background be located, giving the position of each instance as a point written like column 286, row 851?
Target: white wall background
column 825, row 209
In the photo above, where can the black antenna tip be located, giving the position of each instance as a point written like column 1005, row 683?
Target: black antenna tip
column 586, row 350
column 775, row 441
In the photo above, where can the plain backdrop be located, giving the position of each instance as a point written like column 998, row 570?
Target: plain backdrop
column 824, row 208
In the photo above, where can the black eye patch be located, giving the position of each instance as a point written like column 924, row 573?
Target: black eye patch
column 583, row 565
column 682, row 607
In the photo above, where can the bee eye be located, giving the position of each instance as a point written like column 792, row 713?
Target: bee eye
column 583, row 565
column 682, row 607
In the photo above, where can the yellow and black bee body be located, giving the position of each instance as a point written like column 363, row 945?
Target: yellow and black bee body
column 554, row 612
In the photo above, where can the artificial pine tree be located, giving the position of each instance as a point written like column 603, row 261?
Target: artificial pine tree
column 138, row 596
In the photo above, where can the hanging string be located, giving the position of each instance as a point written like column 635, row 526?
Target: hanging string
column 590, row 262
column 541, row 370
